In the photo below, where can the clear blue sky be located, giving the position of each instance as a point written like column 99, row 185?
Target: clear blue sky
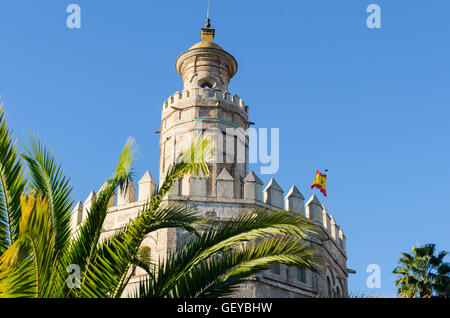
column 372, row 106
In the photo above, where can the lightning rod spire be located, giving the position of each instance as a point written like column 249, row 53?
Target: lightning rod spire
column 208, row 20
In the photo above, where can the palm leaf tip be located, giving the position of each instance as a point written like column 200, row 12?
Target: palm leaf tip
column 197, row 157
column 124, row 168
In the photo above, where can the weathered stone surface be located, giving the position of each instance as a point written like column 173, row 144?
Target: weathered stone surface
column 77, row 215
column 147, row 187
column 225, row 184
column 193, row 186
column 294, row 201
column 314, row 209
column 326, row 220
column 126, row 195
column 253, row 187
column 273, row 194
column 88, row 203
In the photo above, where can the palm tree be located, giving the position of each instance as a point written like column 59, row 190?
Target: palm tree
column 37, row 247
column 423, row 274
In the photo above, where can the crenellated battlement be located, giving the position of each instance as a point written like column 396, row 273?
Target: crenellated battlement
column 254, row 194
column 204, row 94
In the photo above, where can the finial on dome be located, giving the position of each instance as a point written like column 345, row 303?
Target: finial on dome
column 208, row 20
column 207, row 33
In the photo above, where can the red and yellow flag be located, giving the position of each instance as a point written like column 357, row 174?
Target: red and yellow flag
column 320, row 182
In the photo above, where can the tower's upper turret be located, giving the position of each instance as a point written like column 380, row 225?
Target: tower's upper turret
column 206, row 64
column 205, row 106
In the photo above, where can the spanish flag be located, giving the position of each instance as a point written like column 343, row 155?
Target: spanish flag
column 320, row 182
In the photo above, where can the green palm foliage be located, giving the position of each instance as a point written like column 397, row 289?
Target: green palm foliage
column 422, row 273
column 47, row 177
column 12, row 184
column 29, row 261
column 39, row 253
column 215, row 262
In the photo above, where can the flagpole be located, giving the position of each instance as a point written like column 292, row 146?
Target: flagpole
column 326, row 173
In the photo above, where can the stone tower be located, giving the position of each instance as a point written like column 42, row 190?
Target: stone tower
column 206, row 106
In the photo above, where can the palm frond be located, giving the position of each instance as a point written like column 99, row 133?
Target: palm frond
column 422, row 274
column 108, row 272
column 12, row 184
column 85, row 241
column 29, row 263
column 223, row 237
column 124, row 173
column 48, row 178
column 144, row 260
column 221, row 275
column 197, row 157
